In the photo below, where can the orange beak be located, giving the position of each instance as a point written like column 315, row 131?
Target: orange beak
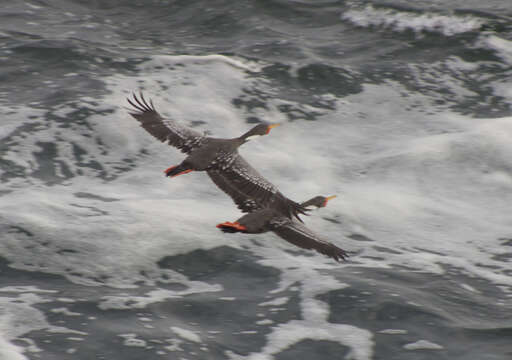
column 328, row 198
column 271, row 126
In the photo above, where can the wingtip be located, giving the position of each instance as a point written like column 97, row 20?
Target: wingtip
column 139, row 102
column 340, row 255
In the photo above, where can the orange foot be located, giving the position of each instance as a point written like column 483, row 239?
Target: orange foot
column 168, row 171
column 231, row 227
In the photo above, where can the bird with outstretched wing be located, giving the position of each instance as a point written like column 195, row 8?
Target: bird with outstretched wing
column 218, row 157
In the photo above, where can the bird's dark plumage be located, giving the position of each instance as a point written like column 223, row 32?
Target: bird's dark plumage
column 250, row 191
column 270, row 219
column 219, row 158
column 299, row 235
column 164, row 130
column 266, row 207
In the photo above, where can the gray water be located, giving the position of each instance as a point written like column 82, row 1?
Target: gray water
column 401, row 108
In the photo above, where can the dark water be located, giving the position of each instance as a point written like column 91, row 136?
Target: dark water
column 401, row 108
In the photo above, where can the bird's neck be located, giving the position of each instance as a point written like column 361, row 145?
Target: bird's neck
column 311, row 204
column 249, row 135
column 240, row 140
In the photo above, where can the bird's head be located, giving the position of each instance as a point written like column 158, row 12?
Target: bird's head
column 317, row 202
column 258, row 130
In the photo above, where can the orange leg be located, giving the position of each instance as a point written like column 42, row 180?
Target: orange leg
column 169, row 170
column 233, row 225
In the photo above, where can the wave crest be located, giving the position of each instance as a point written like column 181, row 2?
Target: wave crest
column 400, row 20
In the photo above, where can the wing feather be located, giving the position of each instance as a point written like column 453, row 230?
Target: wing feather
column 244, row 203
column 250, row 191
column 163, row 129
column 299, row 235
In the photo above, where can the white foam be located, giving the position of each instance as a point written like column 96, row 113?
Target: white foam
column 26, row 288
column 469, row 288
column 124, row 301
column 33, row 6
column 393, row 331
column 186, row 334
column 423, row 345
column 285, row 335
column 397, row 20
column 131, row 340
column 175, row 345
column 315, row 313
column 502, row 47
column 276, row 302
column 10, row 351
column 433, row 187
column 65, row 311
column 18, row 316
column 264, row 322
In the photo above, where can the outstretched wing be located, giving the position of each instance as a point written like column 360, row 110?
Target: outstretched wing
column 243, row 202
column 250, row 191
column 299, row 235
column 164, row 130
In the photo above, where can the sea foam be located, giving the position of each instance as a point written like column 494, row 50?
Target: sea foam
column 401, row 20
column 431, row 187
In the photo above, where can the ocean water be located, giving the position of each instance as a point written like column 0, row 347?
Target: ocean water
column 401, row 108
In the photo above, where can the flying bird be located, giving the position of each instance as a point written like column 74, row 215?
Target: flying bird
column 271, row 219
column 218, row 157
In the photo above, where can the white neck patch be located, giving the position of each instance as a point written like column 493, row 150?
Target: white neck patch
column 252, row 137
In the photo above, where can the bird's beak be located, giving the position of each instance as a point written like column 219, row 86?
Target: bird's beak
column 271, row 126
column 328, row 198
